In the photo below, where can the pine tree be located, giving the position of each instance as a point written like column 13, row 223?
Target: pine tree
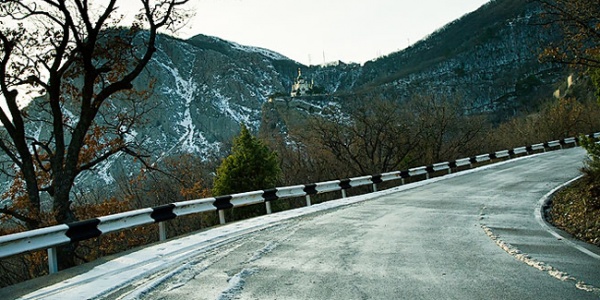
column 251, row 166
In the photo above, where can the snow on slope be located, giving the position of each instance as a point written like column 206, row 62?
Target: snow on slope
column 268, row 53
column 185, row 90
column 241, row 115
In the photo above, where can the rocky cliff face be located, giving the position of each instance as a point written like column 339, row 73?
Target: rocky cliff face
column 205, row 87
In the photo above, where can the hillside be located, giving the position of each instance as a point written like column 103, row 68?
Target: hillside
column 489, row 57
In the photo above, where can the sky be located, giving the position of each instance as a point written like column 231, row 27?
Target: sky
column 317, row 31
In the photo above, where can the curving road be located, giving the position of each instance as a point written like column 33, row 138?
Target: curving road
column 472, row 235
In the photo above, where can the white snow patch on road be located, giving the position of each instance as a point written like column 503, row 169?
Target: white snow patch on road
column 525, row 258
column 262, row 252
column 146, row 288
column 236, row 284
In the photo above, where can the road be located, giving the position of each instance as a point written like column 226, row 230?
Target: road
column 473, row 235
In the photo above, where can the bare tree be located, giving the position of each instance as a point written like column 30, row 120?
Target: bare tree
column 70, row 52
column 448, row 131
column 377, row 136
column 580, row 23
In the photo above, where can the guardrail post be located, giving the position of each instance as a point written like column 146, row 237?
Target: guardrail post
column 52, row 261
column 374, row 188
column 343, row 193
column 221, row 217
column 162, row 231
column 308, row 200
column 268, row 205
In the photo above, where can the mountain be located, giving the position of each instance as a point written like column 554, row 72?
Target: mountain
column 489, row 57
column 205, row 86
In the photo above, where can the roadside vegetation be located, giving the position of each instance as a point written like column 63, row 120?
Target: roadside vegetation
column 576, row 210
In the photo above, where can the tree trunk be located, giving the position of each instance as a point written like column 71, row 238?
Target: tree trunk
column 63, row 214
column 66, row 256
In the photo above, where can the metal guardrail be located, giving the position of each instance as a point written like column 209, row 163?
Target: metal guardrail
column 51, row 237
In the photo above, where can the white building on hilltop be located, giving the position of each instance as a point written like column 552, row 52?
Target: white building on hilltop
column 301, row 87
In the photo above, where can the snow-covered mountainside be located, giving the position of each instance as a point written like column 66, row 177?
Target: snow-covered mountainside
column 204, row 88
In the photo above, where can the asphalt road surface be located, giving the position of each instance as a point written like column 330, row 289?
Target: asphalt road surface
column 475, row 235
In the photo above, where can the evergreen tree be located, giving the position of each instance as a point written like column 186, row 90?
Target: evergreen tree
column 250, row 167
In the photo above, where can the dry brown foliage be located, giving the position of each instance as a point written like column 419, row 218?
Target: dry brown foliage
column 577, row 210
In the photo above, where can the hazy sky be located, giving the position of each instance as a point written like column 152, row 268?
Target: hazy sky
column 304, row 30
